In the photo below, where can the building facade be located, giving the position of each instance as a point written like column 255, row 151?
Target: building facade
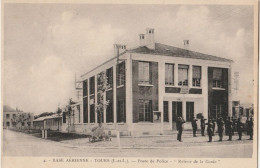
column 153, row 84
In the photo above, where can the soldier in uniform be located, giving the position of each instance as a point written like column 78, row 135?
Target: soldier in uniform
column 180, row 127
column 233, row 126
column 221, row 127
column 250, row 125
column 202, row 125
column 230, row 128
column 194, row 126
column 239, row 128
column 210, row 129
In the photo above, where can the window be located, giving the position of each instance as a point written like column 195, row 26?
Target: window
column 92, row 113
column 7, row 115
column 183, row 75
column 121, row 116
column 145, row 110
column 189, row 111
column 196, row 76
column 85, row 110
column 217, row 78
column 109, row 112
column 85, row 87
column 144, row 73
column 14, row 115
column 110, row 78
column 78, row 108
column 169, row 74
column 165, row 111
column 92, row 85
column 7, row 123
column 216, row 111
column 121, row 74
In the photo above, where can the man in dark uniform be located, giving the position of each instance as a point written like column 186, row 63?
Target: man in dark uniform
column 202, row 125
column 194, row 126
column 226, row 126
column 239, row 128
column 221, row 127
column 230, row 128
column 233, row 125
column 210, row 130
column 250, row 125
column 180, row 128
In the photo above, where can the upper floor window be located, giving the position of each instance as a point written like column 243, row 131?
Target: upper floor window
column 14, row 115
column 169, row 74
column 92, row 85
column 85, row 87
column 217, row 78
column 110, row 77
column 7, row 115
column 196, row 75
column 121, row 74
column 144, row 73
column 183, row 75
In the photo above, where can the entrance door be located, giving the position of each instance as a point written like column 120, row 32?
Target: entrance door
column 176, row 112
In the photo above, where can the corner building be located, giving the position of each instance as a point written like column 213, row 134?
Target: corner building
column 153, row 84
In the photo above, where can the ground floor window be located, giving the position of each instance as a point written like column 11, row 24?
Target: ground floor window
column 92, row 113
column 109, row 112
column 121, row 116
column 165, row 111
column 145, row 110
column 189, row 111
column 216, row 111
column 7, row 124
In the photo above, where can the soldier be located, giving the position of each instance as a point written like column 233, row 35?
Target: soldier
column 250, row 125
column 210, row 130
column 202, row 125
column 226, row 126
column 194, row 126
column 239, row 128
column 180, row 128
column 233, row 126
column 221, row 127
column 230, row 128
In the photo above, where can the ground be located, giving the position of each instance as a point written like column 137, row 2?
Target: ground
column 21, row 144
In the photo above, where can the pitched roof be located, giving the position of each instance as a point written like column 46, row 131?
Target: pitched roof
column 47, row 117
column 162, row 49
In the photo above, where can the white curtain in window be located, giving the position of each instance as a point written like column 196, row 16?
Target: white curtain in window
column 196, row 72
column 169, row 76
column 183, row 74
column 143, row 71
column 217, row 74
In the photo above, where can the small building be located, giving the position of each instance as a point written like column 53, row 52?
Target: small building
column 53, row 122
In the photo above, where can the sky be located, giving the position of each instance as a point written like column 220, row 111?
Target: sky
column 46, row 44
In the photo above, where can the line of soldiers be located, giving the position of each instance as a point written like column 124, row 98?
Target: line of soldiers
column 228, row 125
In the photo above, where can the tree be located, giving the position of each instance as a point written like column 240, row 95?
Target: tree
column 70, row 113
column 21, row 119
column 102, row 86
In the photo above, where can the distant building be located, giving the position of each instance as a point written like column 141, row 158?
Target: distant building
column 152, row 84
column 16, row 118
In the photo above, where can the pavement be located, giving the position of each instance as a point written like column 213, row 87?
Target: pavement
column 21, row 144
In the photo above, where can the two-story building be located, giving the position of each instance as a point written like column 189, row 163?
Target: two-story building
column 152, row 84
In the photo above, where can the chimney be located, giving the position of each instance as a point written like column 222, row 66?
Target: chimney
column 186, row 44
column 149, row 38
column 119, row 49
column 142, row 39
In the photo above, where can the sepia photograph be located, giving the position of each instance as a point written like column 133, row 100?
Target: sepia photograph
column 126, row 82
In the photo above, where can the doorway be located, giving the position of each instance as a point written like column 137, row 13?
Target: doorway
column 176, row 112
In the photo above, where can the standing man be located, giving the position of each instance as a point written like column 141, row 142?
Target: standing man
column 202, row 125
column 221, row 127
column 210, row 129
column 230, row 128
column 239, row 128
column 250, row 125
column 194, row 126
column 180, row 128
